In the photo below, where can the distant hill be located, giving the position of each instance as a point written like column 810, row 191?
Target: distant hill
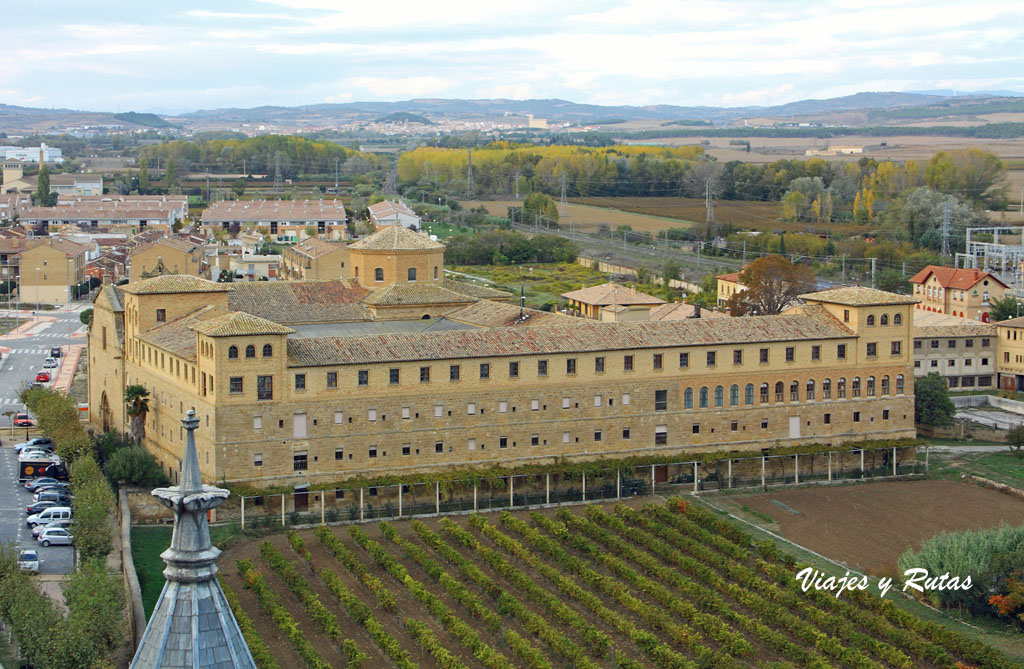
column 405, row 117
column 144, row 119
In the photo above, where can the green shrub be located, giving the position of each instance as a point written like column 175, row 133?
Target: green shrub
column 137, row 466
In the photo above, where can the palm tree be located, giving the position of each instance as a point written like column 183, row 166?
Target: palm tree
column 136, row 398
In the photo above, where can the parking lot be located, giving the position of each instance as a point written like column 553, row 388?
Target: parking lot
column 13, row 500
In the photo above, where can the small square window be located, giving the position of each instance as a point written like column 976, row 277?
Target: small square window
column 364, row 377
column 885, row 414
column 406, row 449
column 339, row 454
column 764, row 424
column 917, row 344
column 841, row 351
column 895, row 348
column 161, row 315
column 657, row 361
column 235, row 385
column 872, row 349
column 696, row 428
column 485, row 370
column 660, row 435
column 816, row 352
column 393, row 376
column 300, row 461
column 373, row 451
column 734, row 426
column 984, row 342
column 535, row 440
column 300, row 382
column 828, row 419
column 257, row 459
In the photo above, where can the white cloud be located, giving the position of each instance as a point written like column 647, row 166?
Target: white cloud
column 399, row 87
column 762, row 96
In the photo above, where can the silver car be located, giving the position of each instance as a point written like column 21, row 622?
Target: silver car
column 49, row 363
column 56, row 536
column 53, row 524
column 28, row 560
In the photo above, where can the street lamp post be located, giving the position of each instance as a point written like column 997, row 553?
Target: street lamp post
column 17, row 282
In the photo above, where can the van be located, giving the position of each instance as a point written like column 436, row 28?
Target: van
column 47, row 515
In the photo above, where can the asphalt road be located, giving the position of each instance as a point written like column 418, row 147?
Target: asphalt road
column 13, row 530
column 27, row 352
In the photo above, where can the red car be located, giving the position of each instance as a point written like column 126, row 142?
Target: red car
column 43, row 377
column 22, row 420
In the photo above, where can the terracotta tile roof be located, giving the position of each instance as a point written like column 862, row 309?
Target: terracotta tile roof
column 19, row 244
column 858, row 296
column 256, row 211
column 967, row 329
column 577, row 337
column 397, row 238
column 177, row 336
column 611, row 293
column 239, row 323
column 677, row 311
column 65, row 246
column 415, row 293
column 488, row 314
column 733, row 276
column 1012, row 323
column 315, row 247
column 473, row 290
column 388, row 208
column 955, row 278
column 292, row 302
column 170, row 242
column 175, row 283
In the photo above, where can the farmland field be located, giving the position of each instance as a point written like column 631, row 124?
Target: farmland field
column 589, row 218
column 869, row 526
column 626, row 585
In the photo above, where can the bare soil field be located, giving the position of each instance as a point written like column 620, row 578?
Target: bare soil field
column 590, row 218
column 870, row 525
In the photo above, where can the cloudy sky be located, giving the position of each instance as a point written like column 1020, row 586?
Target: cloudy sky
column 186, row 54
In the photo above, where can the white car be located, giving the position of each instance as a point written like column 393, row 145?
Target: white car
column 56, row 536
column 49, row 363
column 28, row 560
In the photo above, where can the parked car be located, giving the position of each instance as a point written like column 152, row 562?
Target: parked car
column 47, row 515
column 55, row 351
column 28, row 560
column 23, row 420
column 56, row 536
column 38, row 529
column 38, row 442
column 61, row 498
column 37, row 455
column 49, row 363
column 37, row 507
column 43, row 377
column 43, row 481
column 62, row 487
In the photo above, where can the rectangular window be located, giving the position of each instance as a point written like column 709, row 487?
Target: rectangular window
column 235, row 385
column 570, row 366
column 371, row 415
column 984, row 342
column 161, row 315
column 764, row 424
column 856, row 416
column 969, row 343
column 502, row 442
column 534, row 405
column 599, row 365
column 684, row 360
column 816, row 352
column 846, row 315
column 373, row 451
column 951, row 343
column 660, row 400
column 967, row 381
column 332, row 379
column 542, row 368
column 872, row 349
column 711, row 359
column 438, row 410
column 734, row 426
column 300, row 382
column 406, row 449
column 470, row 409
column 502, row 407
column 299, row 461
column 338, row 417
column 513, row 370
column 885, row 414
column 737, row 356
column 566, row 402
column 257, row 459
column 364, row 377
column 453, row 373
column 485, row 370
column 661, row 435
column 984, row 381
column 627, row 363
column 657, row 360
column 934, row 343
column 597, row 435
column 790, row 354
column 424, row 375
column 828, row 419
column 597, row 400
column 472, row 444
column 393, row 376
column 439, row 447
column 625, row 399
column 339, row 454
column 406, row 412
column 841, row 351
column 565, row 437
column 954, row 382
column 257, row 422
column 264, row 387
column 917, row 344
column 625, row 433
column 984, row 361
column 895, row 348
column 764, row 355
column 535, row 440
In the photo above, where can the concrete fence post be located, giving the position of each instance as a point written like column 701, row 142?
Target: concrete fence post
column 796, row 469
column 695, row 479
column 511, row 491
column 926, row 460
column 894, row 461
column 547, row 489
column 323, row 506
column 862, row 463
column 437, row 496
column 730, row 473
column 830, row 466
column 584, row 486
column 399, row 500
column 361, row 504
column 474, row 496
column 652, row 480
column 762, row 472
column 282, row 509
column 243, row 513
column 618, row 484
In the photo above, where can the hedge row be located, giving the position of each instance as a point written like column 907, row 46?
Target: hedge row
column 260, row 653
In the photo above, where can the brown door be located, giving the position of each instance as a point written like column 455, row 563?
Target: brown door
column 301, row 498
column 661, row 474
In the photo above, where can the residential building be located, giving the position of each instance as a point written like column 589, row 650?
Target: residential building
column 177, row 204
column 318, row 381
column 611, row 302
column 254, row 267
column 1010, row 356
column 315, row 259
column 393, row 212
column 728, row 285
column 11, row 249
column 283, row 220
column 110, row 217
column 396, row 255
column 964, row 353
column 967, row 293
column 171, row 255
column 50, row 269
column 678, row 311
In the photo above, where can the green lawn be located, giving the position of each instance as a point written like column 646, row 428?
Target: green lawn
column 1006, row 464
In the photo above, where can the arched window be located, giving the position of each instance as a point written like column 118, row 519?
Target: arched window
column 885, row 385
column 232, row 352
column 899, row 384
column 841, row 388
column 435, row 272
column 897, row 319
column 826, row 389
column 268, row 350
column 871, row 320
column 810, row 390
column 794, row 391
column 855, row 387
column 250, row 351
column 871, row 386
column 764, row 393
column 378, row 274
column 704, row 397
column 884, row 320
column 719, row 396
column 734, row 395
column 748, row 394
column 412, row 274
column 779, row 389
column 688, row 398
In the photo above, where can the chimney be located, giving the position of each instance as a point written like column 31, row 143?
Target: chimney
column 696, row 311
